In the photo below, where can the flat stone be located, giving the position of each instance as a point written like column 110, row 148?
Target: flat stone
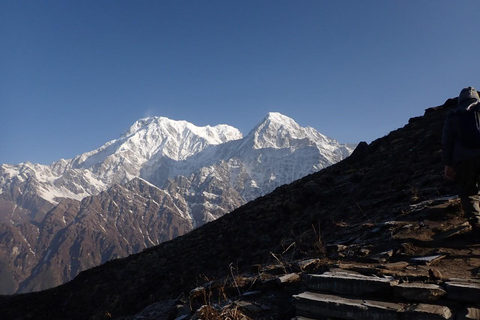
column 428, row 260
column 308, row 265
column 455, row 231
column 469, row 314
column 463, row 280
column 382, row 256
column 400, row 265
column 428, row 312
column 463, row 291
column 363, row 269
column 320, row 305
column 350, row 283
column 314, row 305
column 423, row 292
column 289, row 278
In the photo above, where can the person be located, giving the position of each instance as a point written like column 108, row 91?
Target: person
column 461, row 160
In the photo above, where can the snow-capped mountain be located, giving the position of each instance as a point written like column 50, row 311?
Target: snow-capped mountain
column 158, row 180
column 120, row 160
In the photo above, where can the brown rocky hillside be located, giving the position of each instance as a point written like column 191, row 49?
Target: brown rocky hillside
column 387, row 203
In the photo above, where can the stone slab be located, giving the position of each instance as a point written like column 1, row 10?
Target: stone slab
column 463, row 291
column 428, row 312
column 400, row 265
column 289, row 278
column 350, row 283
column 469, row 314
column 314, row 305
column 422, row 292
column 428, row 260
column 308, row 265
column 318, row 305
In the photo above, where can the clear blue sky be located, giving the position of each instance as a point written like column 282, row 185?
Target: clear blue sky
column 76, row 74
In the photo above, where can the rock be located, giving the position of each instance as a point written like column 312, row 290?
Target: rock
column 182, row 311
column 455, row 231
column 368, row 270
column 396, row 265
column 350, row 283
column 463, row 291
column 335, row 248
column 469, row 314
column 289, row 278
column 319, row 305
column 434, row 274
column 382, row 256
column 248, row 307
column 428, row 260
column 422, row 292
column 428, row 312
column 274, row 269
column 308, row 265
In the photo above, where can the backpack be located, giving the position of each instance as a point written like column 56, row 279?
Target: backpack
column 469, row 131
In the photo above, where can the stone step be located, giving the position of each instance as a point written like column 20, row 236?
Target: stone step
column 318, row 305
column 468, row 292
column 422, row 292
column 351, row 283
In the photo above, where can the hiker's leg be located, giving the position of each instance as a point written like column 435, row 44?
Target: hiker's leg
column 471, row 208
column 468, row 176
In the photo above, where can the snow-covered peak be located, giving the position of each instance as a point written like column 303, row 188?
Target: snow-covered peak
column 277, row 117
column 161, row 125
column 156, row 148
column 158, row 137
column 277, row 131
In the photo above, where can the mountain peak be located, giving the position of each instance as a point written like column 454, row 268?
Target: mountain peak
column 278, row 117
column 277, row 131
column 165, row 126
column 160, row 136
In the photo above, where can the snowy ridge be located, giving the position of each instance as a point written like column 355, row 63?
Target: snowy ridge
column 276, row 151
column 118, row 161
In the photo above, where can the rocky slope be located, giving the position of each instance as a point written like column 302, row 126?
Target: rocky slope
column 386, row 203
column 159, row 180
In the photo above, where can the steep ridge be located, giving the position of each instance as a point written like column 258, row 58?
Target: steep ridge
column 197, row 173
column 120, row 221
column 358, row 203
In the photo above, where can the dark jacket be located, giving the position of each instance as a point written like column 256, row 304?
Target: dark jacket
column 454, row 150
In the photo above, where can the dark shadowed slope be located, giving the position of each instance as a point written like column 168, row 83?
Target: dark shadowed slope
column 347, row 203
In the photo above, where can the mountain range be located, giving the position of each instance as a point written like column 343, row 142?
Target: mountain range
column 384, row 214
column 159, row 180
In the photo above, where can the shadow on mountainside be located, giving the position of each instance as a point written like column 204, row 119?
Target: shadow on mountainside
column 385, row 204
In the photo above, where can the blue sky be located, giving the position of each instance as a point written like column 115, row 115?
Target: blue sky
column 76, row 74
